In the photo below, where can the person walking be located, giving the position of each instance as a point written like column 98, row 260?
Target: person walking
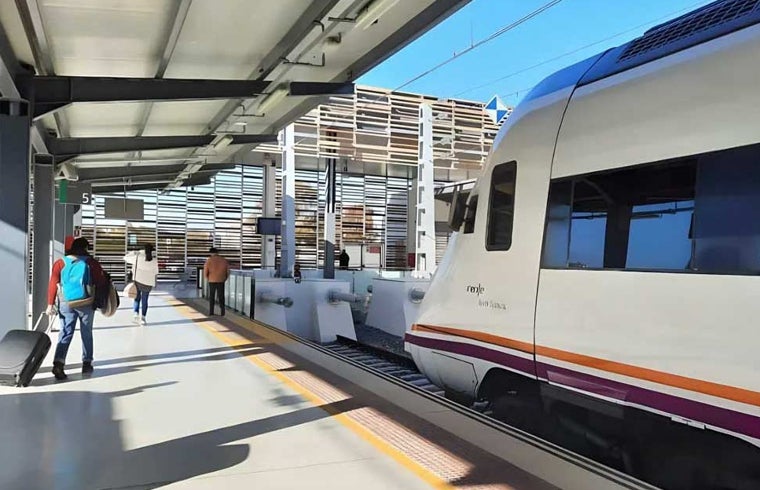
column 144, row 272
column 216, row 270
column 73, row 282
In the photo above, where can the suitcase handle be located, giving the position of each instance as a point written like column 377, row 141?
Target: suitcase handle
column 39, row 320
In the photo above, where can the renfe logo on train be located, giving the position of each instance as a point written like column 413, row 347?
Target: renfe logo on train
column 476, row 289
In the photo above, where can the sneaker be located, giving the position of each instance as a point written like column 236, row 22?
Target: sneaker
column 136, row 318
column 87, row 368
column 143, row 321
column 58, row 371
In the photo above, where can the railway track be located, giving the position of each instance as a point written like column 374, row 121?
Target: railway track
column 395, row 365
column 395, row 378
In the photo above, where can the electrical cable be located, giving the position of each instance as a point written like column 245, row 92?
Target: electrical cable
column 523, row 70
column 493, row 36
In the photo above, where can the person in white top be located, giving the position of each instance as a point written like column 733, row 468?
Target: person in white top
column 144, row 271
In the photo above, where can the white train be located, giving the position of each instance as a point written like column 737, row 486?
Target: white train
column 608, row 257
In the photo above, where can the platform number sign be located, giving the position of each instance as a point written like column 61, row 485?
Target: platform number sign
column 497, row 110
column 74, row 192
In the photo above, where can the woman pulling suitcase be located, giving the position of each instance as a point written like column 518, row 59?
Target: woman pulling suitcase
column 73, row 281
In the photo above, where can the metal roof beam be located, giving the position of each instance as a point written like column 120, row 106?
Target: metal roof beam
column 134, row 177
column 67, row 148
column 9, row 69
column 106, row 188
column 42, row 49
column 321, row 88
column 130, row 162
column 127, row 176
column 51, row 93
column 170, row 44
column 313, row 15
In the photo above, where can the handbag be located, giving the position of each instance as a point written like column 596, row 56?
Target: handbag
column 130, row 290
column 111, row 302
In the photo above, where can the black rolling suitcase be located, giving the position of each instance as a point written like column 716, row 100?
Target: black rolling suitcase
column 21, row 353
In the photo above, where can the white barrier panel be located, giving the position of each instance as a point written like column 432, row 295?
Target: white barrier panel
column 267, row 312
column 300, row 320
column 311, row 314
column 327, row 320
column 395, row 304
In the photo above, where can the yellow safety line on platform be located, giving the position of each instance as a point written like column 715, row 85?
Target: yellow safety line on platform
column 237, row 340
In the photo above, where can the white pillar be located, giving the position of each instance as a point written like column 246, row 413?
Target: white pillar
column 425, row 201
column 288, row 201
column 329, row 235
column 268, row 245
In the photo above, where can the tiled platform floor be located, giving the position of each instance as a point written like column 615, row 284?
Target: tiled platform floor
column 191, row 402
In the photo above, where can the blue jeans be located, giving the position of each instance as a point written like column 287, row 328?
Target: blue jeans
column 69, row 317
column 142, row 297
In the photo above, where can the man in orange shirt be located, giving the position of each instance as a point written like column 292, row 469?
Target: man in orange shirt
column 216, row 270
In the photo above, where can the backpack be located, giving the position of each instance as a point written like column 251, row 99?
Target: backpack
column 76, row 283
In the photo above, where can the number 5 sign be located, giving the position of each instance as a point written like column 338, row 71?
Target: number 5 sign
column 74, row 192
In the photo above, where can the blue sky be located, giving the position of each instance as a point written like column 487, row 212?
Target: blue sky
column 566, row 27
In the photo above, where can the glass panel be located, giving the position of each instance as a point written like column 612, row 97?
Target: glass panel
column 727, row 222
column 502, row 207
column 557, row 240
column 587, row 235
column 470, row 214
column 659, row 236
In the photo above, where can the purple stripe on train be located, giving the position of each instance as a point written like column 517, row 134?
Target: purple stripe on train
column 723, row 418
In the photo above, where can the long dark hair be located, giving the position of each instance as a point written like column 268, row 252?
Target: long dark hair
column 148, row 252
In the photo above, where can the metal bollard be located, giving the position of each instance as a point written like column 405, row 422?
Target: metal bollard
column 266, row 297
column 416, row 295
column 336, row 296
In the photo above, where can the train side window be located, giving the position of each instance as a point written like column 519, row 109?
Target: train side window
column 501, row 207
column 634, row 218
column 470, row 213
column 698, row 213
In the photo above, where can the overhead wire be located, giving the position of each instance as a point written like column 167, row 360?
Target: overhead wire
column 476, row 45
column 576, row 50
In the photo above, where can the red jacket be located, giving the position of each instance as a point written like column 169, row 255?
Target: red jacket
column 96, row 271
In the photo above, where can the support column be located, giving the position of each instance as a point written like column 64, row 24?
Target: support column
column 269, row 243
column 44, row 205
column 63, row 226
column 14, row 212
column 76, row 219
column 59, row 231
column 425, row 202
column 330, row 198
column 288, row 201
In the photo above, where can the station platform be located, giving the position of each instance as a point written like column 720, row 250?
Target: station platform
column 198, row 402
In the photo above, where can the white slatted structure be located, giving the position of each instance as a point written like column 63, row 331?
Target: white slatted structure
column 373, row 134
